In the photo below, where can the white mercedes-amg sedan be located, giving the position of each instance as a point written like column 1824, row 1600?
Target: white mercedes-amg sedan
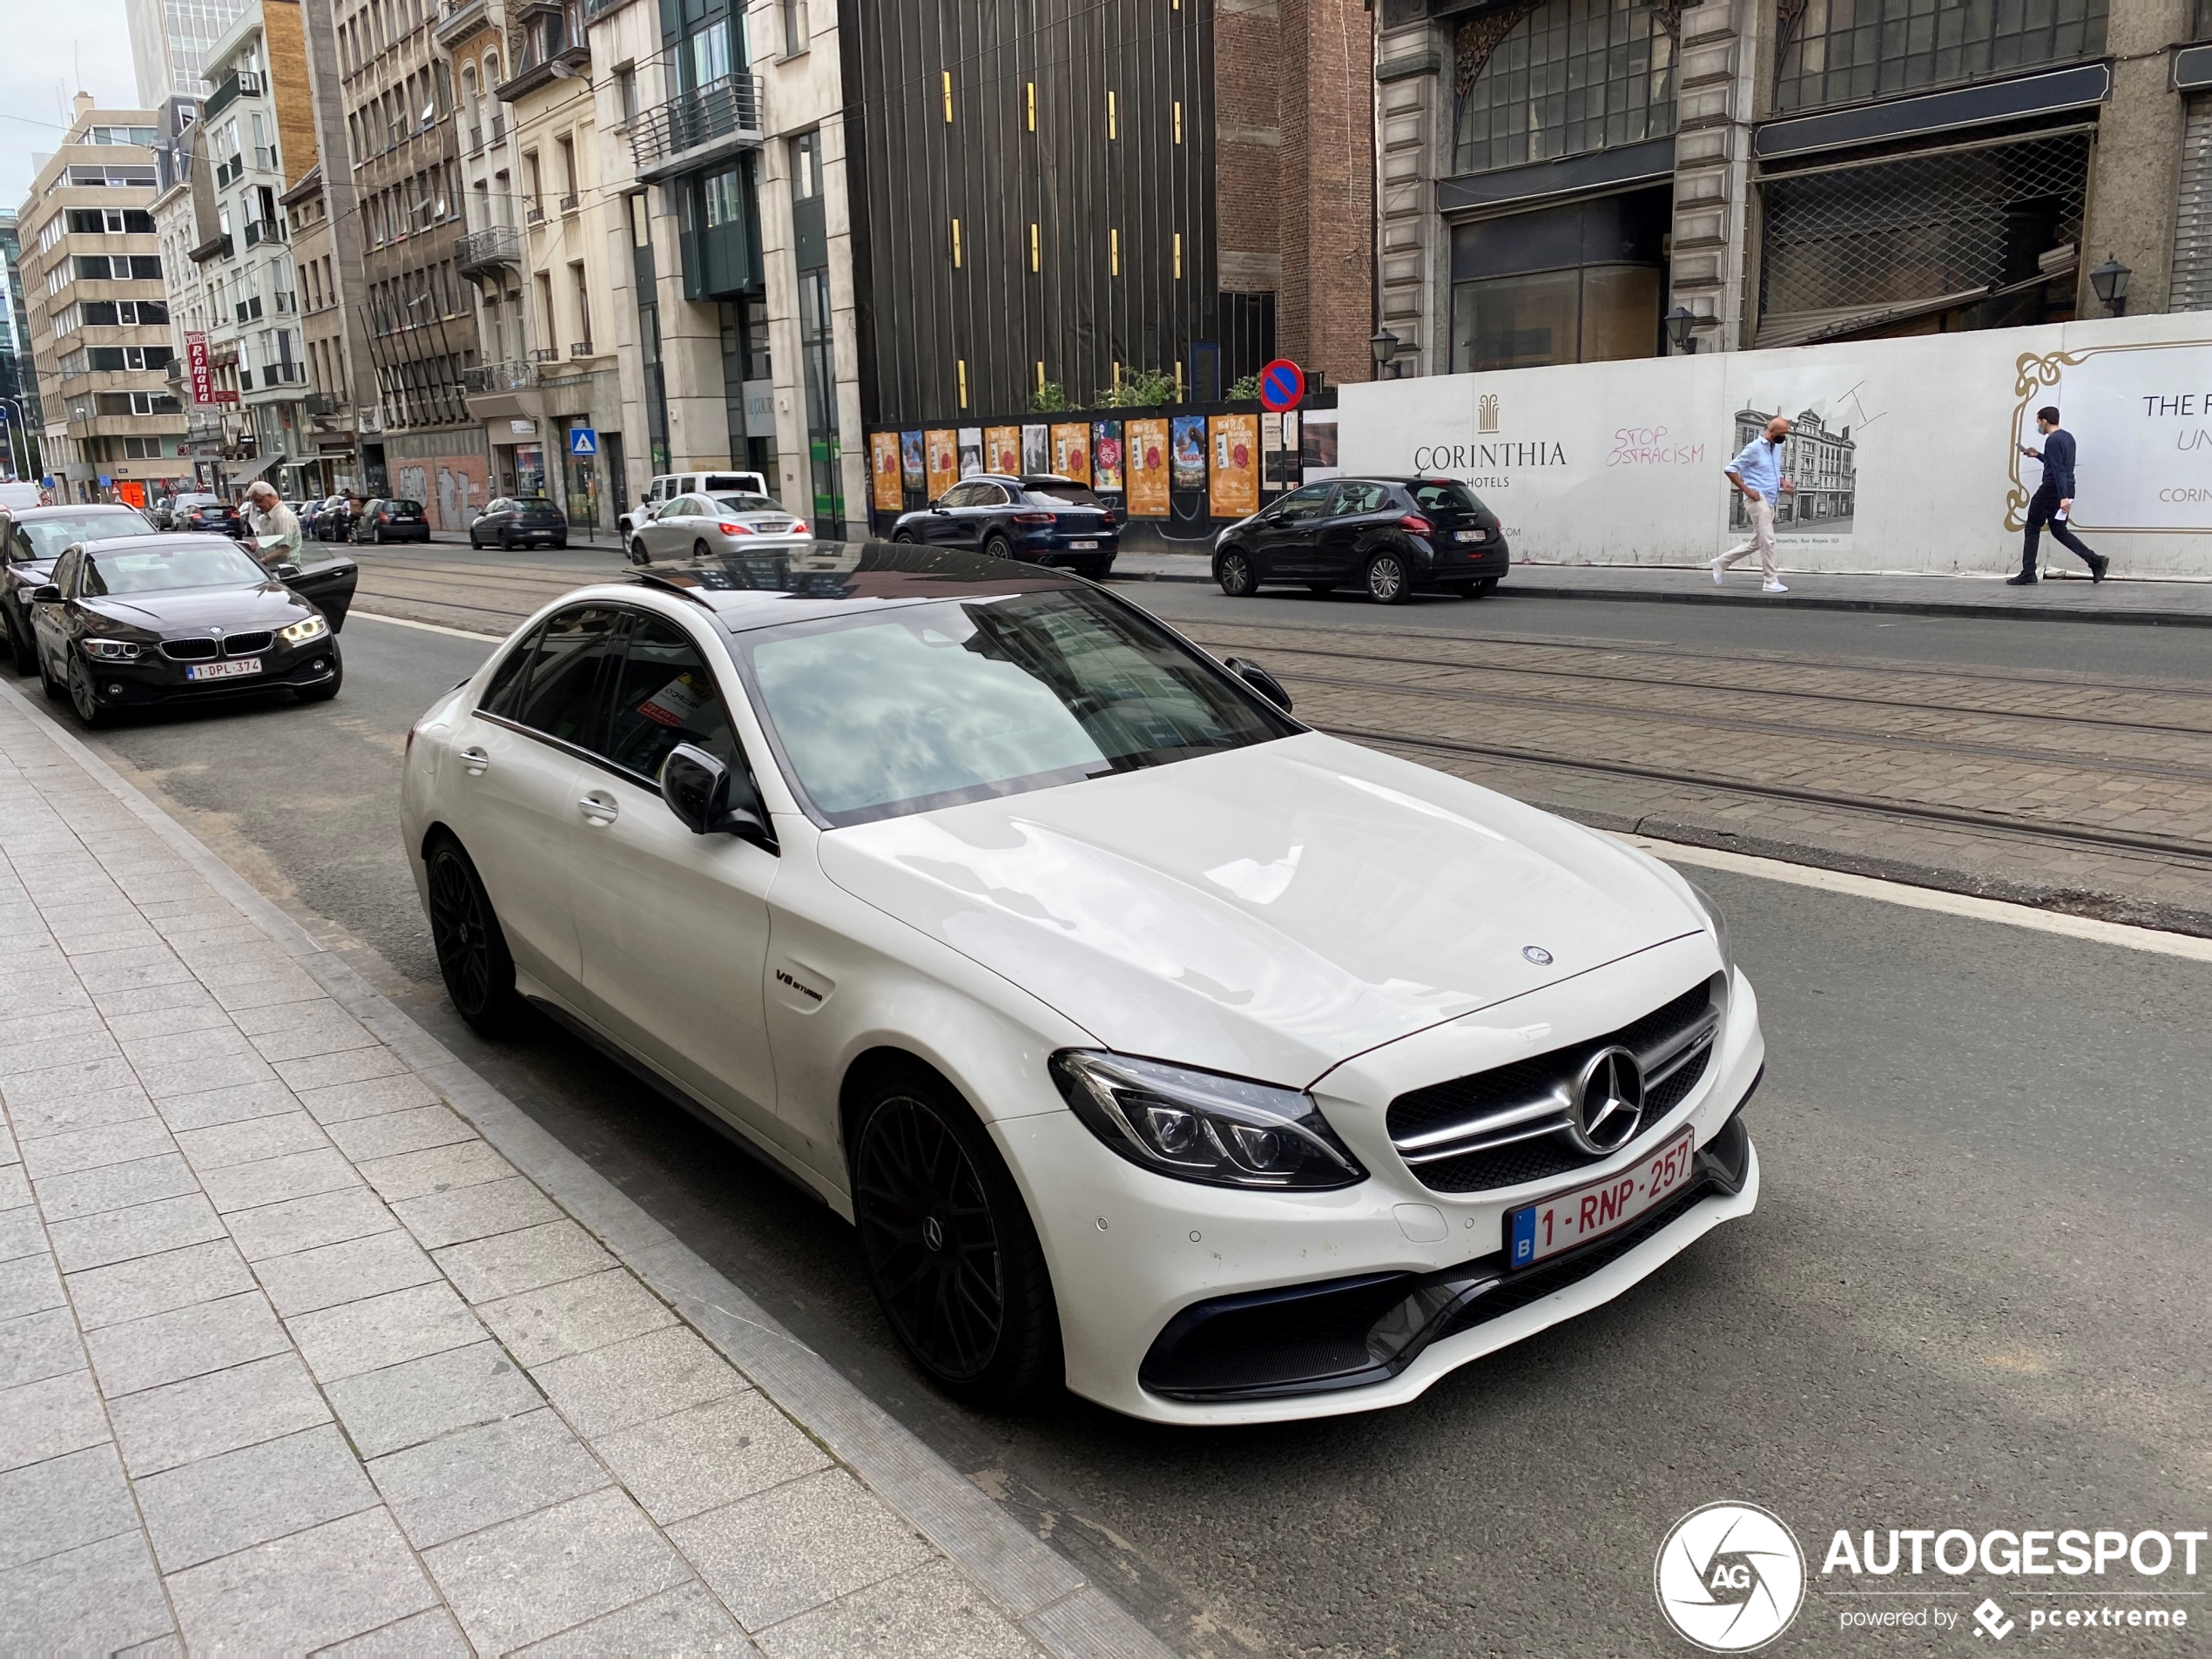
column 1153, row 1042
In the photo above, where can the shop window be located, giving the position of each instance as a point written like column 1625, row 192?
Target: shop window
column 1579, row 284
column 1846, row 52
column 1569, row 76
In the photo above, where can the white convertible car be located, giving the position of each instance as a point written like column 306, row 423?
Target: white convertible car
column 1154, row 1042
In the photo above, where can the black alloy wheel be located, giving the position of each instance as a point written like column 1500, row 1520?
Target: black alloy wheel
column 1234, row 571
column 637, row 553
column 906, row 536
column 951, row 1253
column 997, row 547
column 1388, row 581
column 84, row 697
column 472, row 951
column 376, row 535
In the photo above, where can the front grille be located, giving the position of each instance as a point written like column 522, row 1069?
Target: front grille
column 1506, row 1125
column 188, row 651
column 248, row 644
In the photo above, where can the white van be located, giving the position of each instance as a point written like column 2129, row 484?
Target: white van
column 667, row 488
column 15, row 497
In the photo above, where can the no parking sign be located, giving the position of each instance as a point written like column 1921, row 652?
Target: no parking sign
column 1282, row 386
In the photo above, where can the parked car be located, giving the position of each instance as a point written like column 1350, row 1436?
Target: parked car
column 207, row 515
column 1391, row 535
column 695, row 526
column 668, row 485
column 518, row 521
column 391, row 518
column 31, row 538
column 145, row 620
column 334, row 520
column 1039, row 519
column 1040, row 942
column 15, row 497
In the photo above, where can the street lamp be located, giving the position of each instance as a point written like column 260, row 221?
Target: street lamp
column 1680, row 321
column 1384, row 344
column 2110, row 280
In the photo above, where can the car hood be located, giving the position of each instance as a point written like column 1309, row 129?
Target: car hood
column 194, row 610
column 1268, row 912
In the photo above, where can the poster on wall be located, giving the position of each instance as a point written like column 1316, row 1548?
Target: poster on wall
column 1187, row 459
column 940, row 447
column 883, row 467
column 1826, row 403
column 1317, row 445
column 1036, row 449
column 1002, row 448
column 971, row 451
column 910, row 470
column 1106, row 455
column 1147, row 467
column 1072, row 450
column 2142, row 431
column 1233, row 482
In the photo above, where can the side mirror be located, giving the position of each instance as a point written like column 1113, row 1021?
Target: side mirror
column 713, row 799
column 285, row 571
column 1260, row 679
column 46, row 596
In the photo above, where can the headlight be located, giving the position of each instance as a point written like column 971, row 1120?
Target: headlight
column 301, row 633
column 110, row 650
column 1201, row 1126
column 1720, row 927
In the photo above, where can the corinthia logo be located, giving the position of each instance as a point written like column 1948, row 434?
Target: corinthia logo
column 1486, row 413
column 1729, row 1577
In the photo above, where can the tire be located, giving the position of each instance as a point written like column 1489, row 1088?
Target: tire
column 1096, row 570
column 997, row 547
column 1389, row 582
column 975, row 1308
column 903, row 538
column 473, row 960
column 474, row 542
column 1233, row 570
column 560, row 541
column 376, row 536
column 637, row 553
column 1488, row 584
column 699, row 549
column 507, row 539
column 83, row 701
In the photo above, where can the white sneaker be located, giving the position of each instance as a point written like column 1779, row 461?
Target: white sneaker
column 1772, row 587
column 1719, row 568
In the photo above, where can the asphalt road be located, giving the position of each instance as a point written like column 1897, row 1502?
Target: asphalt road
column 1972, row 1295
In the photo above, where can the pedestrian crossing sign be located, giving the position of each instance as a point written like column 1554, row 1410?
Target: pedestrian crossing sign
column 582, row 440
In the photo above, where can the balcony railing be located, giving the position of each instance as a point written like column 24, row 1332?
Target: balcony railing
column 533, row 212
column 499, row 126
column 247, row 310
column 580, row 348
column 284, row 302
column 237, row 84
column 225, row 171
column 698, row 125
column 568, row 203
column 498, row 377
column 457, row 18
column 259, row 230
column 483, row 250
column 318, row 404
column 546, row 355
column 283, row 374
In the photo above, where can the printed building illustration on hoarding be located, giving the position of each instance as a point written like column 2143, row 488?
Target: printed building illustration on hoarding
column 1823, row 466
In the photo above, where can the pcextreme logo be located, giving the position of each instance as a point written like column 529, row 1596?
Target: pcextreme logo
column 1729, row 1577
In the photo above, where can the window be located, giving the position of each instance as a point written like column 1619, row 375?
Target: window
column 564, row 695
column 136, row 403
column 1845, row 51
column 1357, row 497
column 664, row 695
column 1302, row 506
column 1579, row 284
column 583, row 302
column 1573, row 76
column 709, row 58
column 794, row 25
column 725, row 196
column 807, row 167
column 626, row 93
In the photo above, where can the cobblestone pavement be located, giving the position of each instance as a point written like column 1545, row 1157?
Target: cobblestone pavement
column 293, row 1359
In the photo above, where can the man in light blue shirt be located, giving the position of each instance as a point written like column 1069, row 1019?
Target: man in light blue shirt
column 1757, row 471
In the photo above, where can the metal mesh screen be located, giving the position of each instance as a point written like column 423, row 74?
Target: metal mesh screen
column 1922, row 227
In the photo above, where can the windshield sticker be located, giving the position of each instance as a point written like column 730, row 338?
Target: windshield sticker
column 675, row 702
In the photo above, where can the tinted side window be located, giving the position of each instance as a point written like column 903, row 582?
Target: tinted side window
column 1360, row 498
column 665, row 697
column 505, row 685
column 566, row 696
column 1304, row 503
column 65, row 571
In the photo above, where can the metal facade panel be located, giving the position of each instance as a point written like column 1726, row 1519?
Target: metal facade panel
column 2192, row 284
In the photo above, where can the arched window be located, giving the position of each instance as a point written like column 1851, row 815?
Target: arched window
column 1845, row 51
column 491, row 69
column 469, row 88
column 1562, row 78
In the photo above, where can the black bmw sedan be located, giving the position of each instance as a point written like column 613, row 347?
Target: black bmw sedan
column 130, row 623
column 1389, row 536
column 30, row 540
column 1040, row 519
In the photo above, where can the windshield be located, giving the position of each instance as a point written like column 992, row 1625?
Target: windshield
column 404, row 505
column 1447, row 495
column 746, row 504
column 524, row 503
column 1062, row 495
column 47, row 537
column 882, row 715
column 162, row 569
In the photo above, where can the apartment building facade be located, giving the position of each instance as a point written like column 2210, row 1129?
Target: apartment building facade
column 1576, row 180
column 172, row 42
column 327, row 463
column 19, row 451
column 97, row 310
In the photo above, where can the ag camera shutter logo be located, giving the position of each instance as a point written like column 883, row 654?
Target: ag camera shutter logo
column 1729, row 1577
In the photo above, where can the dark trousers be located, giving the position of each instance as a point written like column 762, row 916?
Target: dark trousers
column 2040, row 511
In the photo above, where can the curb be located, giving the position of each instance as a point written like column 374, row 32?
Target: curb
column 1055, row 1604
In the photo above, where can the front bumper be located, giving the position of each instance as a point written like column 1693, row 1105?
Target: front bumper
column 1134, row 1254
column 150, row 681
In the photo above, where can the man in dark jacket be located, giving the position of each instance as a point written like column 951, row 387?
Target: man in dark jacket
column 2052, row 501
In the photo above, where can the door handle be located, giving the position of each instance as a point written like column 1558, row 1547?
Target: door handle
column 600, row 809
column 476, row 760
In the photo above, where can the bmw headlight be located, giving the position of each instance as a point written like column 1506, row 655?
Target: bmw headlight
column 110, row 650
column 1720, row 927
column 301, row 633
column 1201, row 1126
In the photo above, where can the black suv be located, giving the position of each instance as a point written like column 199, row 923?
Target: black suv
column 1391, row 535
column 1040, row 519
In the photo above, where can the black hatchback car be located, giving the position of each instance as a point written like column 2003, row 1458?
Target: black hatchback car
column 211, row 517
column 30, row 540
column 1039, row 519
column 130, row 623
column 518, row 521
column 1390, row 535
column 391, row 519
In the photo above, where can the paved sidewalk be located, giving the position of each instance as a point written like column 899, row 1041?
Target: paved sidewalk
column 2060, row 599
column 311, row 1341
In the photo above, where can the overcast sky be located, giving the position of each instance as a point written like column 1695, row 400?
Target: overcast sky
column 46, row 46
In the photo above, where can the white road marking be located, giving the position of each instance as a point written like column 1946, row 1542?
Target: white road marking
column 1949, row 904
column 427, row 627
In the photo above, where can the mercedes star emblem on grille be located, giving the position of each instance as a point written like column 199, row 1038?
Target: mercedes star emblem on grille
column 1609, row 1102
